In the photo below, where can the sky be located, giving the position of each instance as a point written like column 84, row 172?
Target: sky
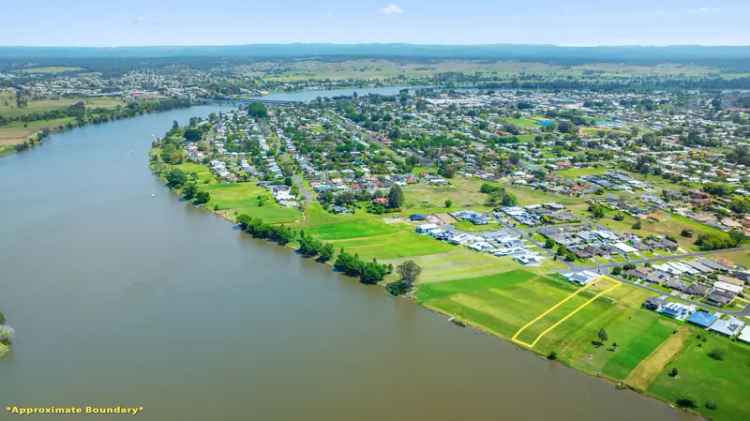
column 105, row 23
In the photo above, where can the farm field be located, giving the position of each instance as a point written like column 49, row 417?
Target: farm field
column 702, row 379
column 8, row 104
column 51, row 69
column 18, row 132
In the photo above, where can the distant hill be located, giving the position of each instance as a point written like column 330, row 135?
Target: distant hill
column 736, row 57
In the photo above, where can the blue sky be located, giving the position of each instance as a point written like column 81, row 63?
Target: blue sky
column 221, row 22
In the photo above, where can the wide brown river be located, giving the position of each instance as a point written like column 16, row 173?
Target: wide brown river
column 121, row 298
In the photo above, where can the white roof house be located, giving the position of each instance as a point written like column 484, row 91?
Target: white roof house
column 730, row 327
column 745, row 335
column 581, row 278
column 725, row 286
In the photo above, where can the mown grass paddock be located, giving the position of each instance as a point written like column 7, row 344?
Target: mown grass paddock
column 233, row 199
column 504, row 303
column 533, row 331
column 705, row 380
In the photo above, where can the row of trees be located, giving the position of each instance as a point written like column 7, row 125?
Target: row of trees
column 176, row 179
column 280, row 234
column 368, row 272
column 311, row 247
column 719, row 241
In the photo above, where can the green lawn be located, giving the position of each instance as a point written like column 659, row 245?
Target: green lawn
column 503, row 303
column 500, row 303
column 526, row 123
column 349, row 227
column 203, row 172
column 637, row 333
column 579, row 172
column 704, row 379
column 400, row 244
column 234, row 199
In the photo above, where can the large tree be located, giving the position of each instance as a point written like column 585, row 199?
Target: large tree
column 395, row 197
column 409, row 271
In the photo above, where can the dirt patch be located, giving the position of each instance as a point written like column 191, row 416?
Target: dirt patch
column 645, row 372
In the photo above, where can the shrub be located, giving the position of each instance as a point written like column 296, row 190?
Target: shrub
column 673, row 372
column 685, row 402
column 552, row 356
column 397, row 288
column 717, row 354
column 711, row 405
column 2, row 318
column 6, row 334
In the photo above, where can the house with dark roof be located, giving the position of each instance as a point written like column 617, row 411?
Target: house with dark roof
column 719, row 298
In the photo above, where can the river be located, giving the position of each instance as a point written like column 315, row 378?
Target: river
column 121, row 298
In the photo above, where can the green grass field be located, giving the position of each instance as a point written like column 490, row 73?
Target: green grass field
column 235, row 199
column 527, row 196
column 18, row 132
column 704, row 379
column 204, row 174
column 505, row 302
column 48, row 70
column 500, row 303
column 463, row 192
column 352, row 227
column 740, row 257
column 637, row 333
column 369, row 236
column 579, row 172
column 8, row 104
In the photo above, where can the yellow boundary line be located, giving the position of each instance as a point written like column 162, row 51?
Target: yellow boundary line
column 569, row 315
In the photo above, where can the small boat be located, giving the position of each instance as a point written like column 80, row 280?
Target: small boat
column 153, row 194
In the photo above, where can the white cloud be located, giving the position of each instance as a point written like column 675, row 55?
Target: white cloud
column 392, row 9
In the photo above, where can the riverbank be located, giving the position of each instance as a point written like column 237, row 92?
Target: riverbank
column 22, row 129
